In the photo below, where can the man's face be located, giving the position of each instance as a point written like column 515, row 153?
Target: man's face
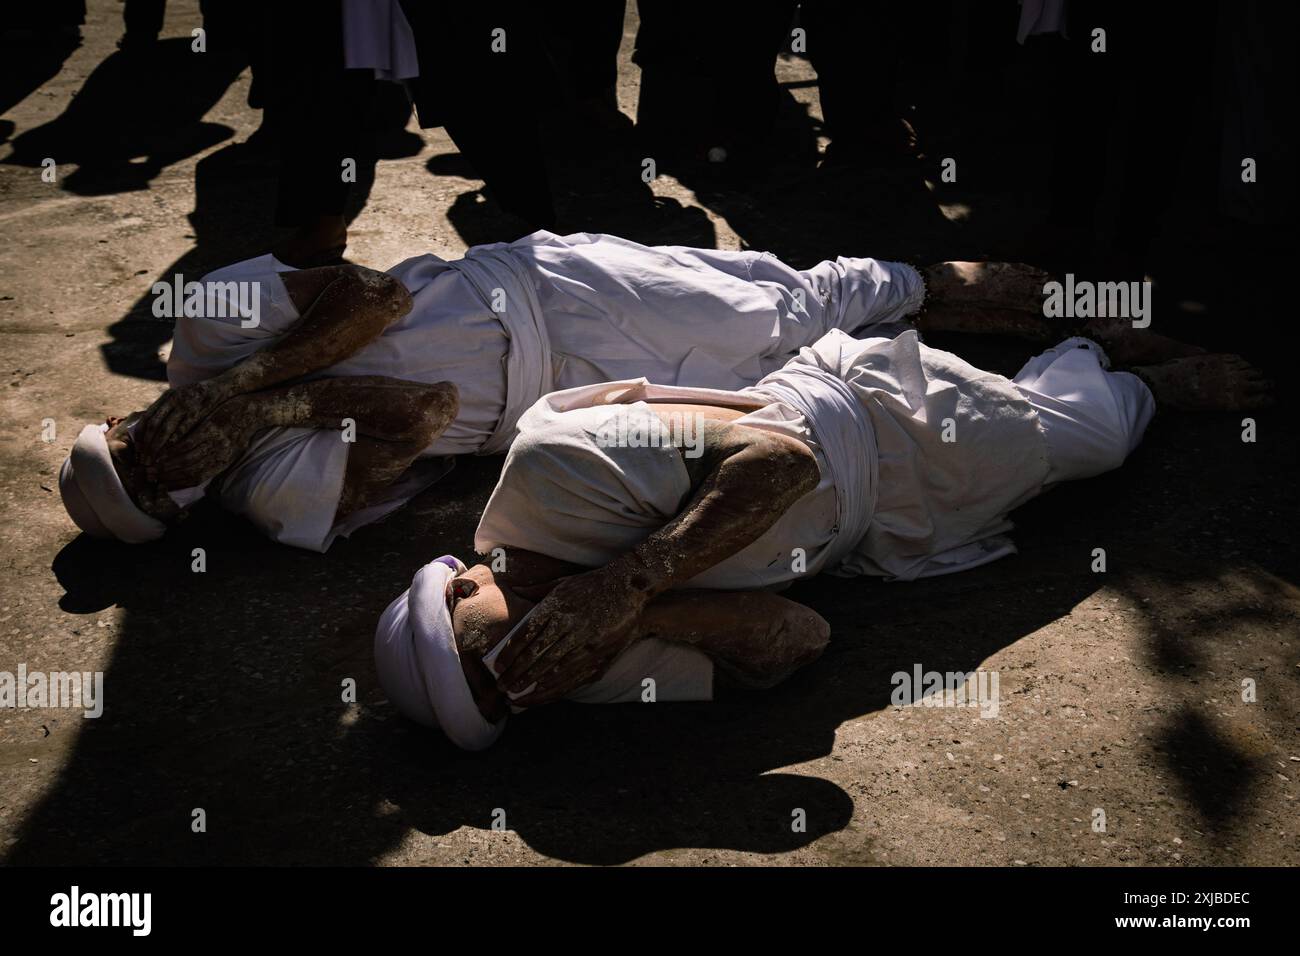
column 482, row 614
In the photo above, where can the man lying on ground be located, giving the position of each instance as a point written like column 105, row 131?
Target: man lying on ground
column 637, row 530
column 258, row 410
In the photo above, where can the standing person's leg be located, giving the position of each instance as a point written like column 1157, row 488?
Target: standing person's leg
column 854, row 49
column 671, row 119
column 143, row 21
column 591, row 51
column 1163, row 102
column 318, row 114
column 481, row 70
column 742, row 75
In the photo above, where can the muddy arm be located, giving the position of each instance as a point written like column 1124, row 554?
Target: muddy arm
column 343, row 308
column 394, row 421
column 745, row 480
column 997, row 298
column 755, row 638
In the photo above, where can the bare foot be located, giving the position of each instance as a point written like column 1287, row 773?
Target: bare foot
column 992, row 285
column 1207, row 383
column 981, row 320
column 1129, row 346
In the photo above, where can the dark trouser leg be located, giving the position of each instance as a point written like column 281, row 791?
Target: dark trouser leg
column 144, row 18
column 318, row 111
column 485, row 97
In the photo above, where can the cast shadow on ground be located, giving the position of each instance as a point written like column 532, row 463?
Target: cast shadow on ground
column 1218, row 562
column 225, row 694
column 127, row 124
column 234, row 188
column 32, row 58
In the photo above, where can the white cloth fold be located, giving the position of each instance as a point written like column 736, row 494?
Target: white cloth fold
column 505, row 286
column 1092, row 418
column 419, row 665
column 844, row 434
column 95, row 497
column 957, row 449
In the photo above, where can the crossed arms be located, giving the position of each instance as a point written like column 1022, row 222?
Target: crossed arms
column 195, row 432
column 744, row 481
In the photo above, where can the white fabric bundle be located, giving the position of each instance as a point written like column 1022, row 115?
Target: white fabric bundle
column 957, row 448
column 95, row 497
column 1092, row 418
column 419, row 665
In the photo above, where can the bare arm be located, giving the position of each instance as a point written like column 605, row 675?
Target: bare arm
column 746, row 479
column 343, row 308
column 756, row 638
column 394, row 421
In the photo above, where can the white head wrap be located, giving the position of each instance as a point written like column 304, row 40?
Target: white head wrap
column 95, row 497
column 419, row 664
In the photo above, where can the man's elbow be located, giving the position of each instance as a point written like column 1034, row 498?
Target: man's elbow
column 382, row 290
column 791, row 463
column 436, row 408
column 793, row 636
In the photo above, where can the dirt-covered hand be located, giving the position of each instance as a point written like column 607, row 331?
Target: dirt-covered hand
column 207, row 450
column 174, row 415
column 571, row 637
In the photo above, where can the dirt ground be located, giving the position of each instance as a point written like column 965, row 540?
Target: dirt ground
column 1120, row 692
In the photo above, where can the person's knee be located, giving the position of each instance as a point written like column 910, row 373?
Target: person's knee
column 799, row 636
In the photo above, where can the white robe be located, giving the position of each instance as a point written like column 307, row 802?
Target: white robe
column 513, row 321
column 895, row 498
column 922, row 457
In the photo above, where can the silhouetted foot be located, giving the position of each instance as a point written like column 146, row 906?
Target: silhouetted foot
column 136, row 44
column 881, row 144
column 320, row 244
column 1207, row 383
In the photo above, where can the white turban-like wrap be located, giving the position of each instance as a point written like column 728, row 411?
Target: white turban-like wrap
column 95, row 497
column 419, row 664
